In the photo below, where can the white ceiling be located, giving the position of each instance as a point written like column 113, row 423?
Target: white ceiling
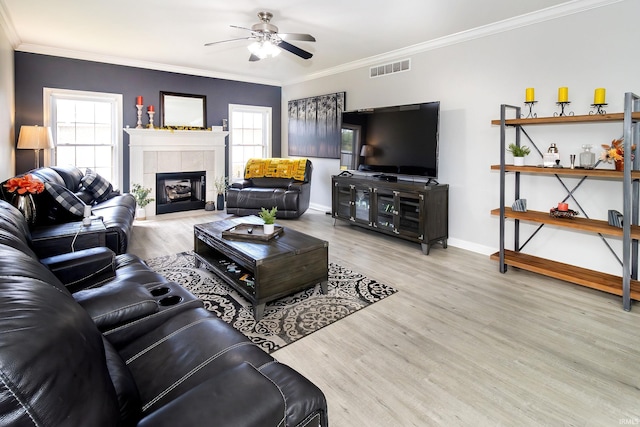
column 170, row 34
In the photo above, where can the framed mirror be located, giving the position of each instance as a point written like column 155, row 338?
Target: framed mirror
column 183, row 110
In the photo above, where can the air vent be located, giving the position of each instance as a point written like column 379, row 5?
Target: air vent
column 391, row 68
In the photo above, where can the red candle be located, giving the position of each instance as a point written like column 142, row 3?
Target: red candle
column 139, row 101
column 151, row 108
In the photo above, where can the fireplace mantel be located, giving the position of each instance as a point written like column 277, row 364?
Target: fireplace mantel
column 154, row 151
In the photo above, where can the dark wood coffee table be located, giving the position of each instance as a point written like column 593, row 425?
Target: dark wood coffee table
column 261, row 270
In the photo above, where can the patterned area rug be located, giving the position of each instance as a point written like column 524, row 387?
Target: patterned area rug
column 285, row 320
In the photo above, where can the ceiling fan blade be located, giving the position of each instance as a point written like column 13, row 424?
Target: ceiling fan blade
column 225, row 41
column 294, row 49
column 242, row 28
column 296, row 36
column 254, row 58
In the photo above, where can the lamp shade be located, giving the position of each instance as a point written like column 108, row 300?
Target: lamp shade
column 366, row 151
column 35, row 137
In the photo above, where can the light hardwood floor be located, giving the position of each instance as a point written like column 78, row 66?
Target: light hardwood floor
column 459, row 344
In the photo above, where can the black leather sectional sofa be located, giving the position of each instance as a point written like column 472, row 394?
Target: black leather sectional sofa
column 116, row 210
column 97, row 339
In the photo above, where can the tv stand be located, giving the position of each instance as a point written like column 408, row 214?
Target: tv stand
column 414, row 211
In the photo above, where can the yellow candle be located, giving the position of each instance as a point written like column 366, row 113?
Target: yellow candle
column 598, row 97
column 563, row 94
column 529, row 95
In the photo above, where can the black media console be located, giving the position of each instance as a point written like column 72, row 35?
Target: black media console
column 414, row 211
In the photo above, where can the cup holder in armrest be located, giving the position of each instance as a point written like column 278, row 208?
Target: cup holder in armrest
column 170, row 300
column 161, row 290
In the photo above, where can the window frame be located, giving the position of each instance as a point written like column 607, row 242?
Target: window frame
column 49, row 97
column 267, row 125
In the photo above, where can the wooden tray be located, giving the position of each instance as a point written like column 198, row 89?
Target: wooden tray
column 250, row 232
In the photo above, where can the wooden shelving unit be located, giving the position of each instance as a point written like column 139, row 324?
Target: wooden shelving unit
column 577, row 223
column 625, row 285
column 577, row 173
column 569, row 273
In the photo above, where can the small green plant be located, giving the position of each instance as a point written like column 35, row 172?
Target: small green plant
column 268, row 216
column 221, row 184
column 518, row 151
column 141, row 194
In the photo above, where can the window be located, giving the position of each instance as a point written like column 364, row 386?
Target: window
column 87, row 130
column 249, row 136
column 350, row 146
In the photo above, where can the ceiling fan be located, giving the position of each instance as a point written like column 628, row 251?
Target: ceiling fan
column 267, row 41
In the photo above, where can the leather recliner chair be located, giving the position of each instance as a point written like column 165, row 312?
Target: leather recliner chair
column 291, row 196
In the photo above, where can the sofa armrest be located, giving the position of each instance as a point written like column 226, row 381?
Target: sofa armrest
column 222, row 400
column 298, row 186
column 82, row 269
column 239, row 185
column 116, row 303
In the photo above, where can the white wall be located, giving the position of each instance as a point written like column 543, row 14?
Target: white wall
column 471, row 79
column 7, row 107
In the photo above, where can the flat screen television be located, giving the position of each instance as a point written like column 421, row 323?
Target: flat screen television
column 400, row 140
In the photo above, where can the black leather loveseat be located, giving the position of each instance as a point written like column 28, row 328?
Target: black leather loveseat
column 78, row 189
column 283, row 183
column 95, row 339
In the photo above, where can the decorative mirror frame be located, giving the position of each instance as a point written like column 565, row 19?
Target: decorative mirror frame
column 183, row 110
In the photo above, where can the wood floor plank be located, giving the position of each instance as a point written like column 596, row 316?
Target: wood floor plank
column 460, row 343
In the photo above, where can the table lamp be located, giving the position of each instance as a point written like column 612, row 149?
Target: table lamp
column 366, row 151
column 35, row 138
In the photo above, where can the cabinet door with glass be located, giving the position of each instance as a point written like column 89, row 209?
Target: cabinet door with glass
column 352, row 202
column 408, row 221
column 385, row 210
column 399, row 213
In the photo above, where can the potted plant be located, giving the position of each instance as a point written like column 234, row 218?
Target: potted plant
column 518, row 153
column 220, row 183
column 141, row 195
column 269, row 217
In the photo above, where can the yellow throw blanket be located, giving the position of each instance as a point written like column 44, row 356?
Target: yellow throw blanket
column 276, row 168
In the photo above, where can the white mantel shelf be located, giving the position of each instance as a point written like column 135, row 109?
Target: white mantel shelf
column 153, row 151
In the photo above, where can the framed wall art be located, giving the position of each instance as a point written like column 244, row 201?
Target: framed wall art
column 315, row 126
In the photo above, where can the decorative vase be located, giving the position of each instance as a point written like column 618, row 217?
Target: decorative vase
column 141, row 213
column 268, row 229
column 587, row 157
column 24, row 203
column 518, row 161
column 220, row 202
column 619, row 165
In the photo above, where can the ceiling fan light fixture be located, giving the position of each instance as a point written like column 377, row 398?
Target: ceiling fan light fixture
column 263, row 49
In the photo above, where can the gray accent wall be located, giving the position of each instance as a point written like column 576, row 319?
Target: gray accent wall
column 33, row 72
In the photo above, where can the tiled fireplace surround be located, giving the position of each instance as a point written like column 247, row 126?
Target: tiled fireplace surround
column 154, row 151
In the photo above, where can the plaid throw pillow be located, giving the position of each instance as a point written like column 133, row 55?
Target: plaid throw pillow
column 65, row 198
column 96, row 185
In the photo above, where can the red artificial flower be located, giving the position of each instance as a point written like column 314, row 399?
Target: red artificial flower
column 25, row 184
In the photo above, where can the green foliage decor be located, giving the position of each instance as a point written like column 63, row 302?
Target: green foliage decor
column 268, row 216
column 141, row 194
column 518, row 151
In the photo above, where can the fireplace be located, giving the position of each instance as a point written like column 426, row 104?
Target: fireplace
column 180, row 191
column 155, row 151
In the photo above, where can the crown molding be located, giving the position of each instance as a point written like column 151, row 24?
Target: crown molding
column 7, row 25
column 550, row 13
column 89, row 56
column 543, row 15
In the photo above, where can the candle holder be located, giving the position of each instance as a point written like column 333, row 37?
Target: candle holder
column 562, row 106
column 531, row 114
column 599, row 109
column 139, row 107
column 151, row 113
